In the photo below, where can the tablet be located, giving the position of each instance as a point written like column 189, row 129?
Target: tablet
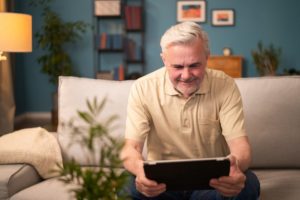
column 190, row 174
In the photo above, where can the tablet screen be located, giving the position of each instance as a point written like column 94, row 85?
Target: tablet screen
column 190, row 174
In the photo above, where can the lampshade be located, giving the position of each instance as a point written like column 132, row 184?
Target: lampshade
column 15, row 32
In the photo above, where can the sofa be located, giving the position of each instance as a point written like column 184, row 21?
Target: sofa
column 272, row 117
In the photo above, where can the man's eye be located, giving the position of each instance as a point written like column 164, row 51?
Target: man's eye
column 195, row 65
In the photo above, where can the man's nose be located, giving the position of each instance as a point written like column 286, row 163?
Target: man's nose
column 186, row 73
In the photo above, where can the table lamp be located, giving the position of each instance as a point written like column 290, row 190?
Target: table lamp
column 15, row 33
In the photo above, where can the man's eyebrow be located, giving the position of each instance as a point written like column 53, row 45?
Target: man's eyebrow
column 176, row 65
column 196, row 63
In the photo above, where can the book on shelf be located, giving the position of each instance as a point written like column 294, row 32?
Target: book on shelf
column 133, row 17
column 117, row 41
column 103, row 39
column 129, row 49
column 119, row 73
column 133, row 51
column 110, row 41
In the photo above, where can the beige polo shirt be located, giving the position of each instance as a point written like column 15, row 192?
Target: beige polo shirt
column 178, row 128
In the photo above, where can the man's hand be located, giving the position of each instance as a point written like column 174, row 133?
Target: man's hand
column 146, row 186
column 133, row 161
column 233, row 184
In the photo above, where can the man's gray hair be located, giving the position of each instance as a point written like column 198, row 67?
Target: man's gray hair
column 184, row 33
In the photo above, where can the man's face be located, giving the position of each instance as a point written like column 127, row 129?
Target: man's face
column 186, row 66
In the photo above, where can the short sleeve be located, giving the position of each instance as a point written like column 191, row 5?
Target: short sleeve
column 138, row 119
column 231, row 111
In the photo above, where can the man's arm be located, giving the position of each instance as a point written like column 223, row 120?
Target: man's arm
column 131, row 156
column 241, row 150
column 133, row 161
column 240, row 157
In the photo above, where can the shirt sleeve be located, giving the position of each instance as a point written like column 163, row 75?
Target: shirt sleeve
column 138, row 118
column 231, row 112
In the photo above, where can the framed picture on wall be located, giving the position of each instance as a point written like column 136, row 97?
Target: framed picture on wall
column 191, row 11
column 223, row 17
column 107, row 8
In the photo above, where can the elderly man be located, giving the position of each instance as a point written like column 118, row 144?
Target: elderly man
column 185, row 110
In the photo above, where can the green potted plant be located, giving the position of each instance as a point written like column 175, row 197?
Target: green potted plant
column 106, row 181
column 52, row 38
column 266, row 59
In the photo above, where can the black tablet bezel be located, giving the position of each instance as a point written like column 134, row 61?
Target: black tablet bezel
column 190, row 174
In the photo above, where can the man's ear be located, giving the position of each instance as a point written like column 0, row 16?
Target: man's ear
column 162, row 55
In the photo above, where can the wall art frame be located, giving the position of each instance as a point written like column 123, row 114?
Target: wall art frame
column 223, row 17
column 104, row 8
column 191, row 11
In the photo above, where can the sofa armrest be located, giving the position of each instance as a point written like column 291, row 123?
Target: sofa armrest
column 16, row 177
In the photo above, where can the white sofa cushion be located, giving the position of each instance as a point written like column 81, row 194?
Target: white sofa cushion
column 72, row 95
column 272, row 114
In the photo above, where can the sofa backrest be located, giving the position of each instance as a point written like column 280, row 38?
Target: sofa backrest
column 272, row 116
column 271, row 108
column 72, row 95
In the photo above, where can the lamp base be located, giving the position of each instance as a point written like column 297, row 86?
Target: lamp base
column 2, row 57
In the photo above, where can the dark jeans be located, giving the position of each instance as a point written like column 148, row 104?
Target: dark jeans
column 250, row 192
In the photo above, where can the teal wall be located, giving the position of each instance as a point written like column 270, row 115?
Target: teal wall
column 272, row 21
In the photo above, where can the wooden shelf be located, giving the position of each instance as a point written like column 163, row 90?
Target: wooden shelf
column 231, row 65
column 109, row 17
column 111, row 50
